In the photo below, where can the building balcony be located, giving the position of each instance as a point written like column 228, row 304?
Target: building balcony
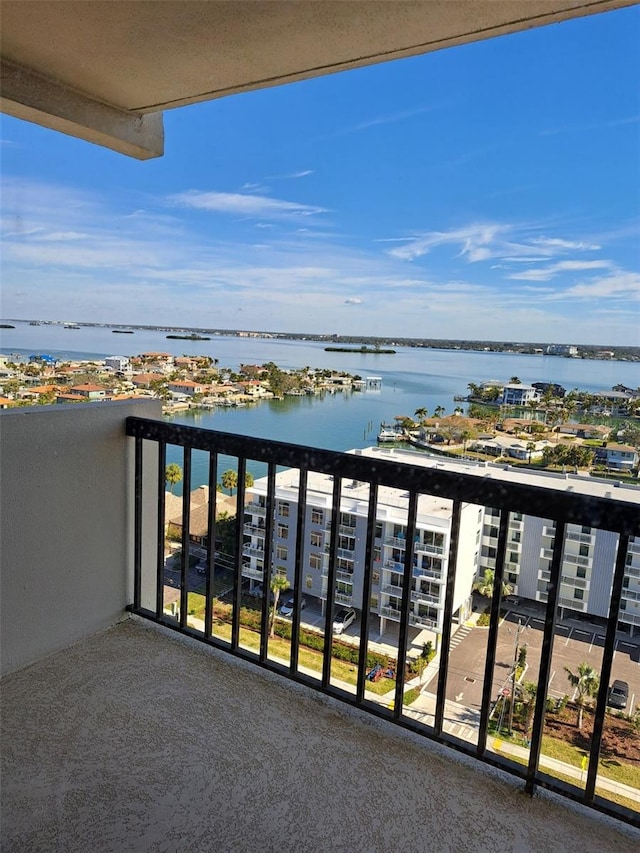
column 427, row 548
column 253, row 572
column 121, row 738
column 255, row 509
column 417, row 595
column 253, row 530
column 253, row 551
column 390, row 589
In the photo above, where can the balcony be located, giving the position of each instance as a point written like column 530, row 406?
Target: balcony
column 137, row 685
column 253, row 551
column 249, row 571
column 427, row 548
column 255, row 509
column 253, row 530
column 417, row 595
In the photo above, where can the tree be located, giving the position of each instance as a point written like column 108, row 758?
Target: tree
column 278, row 584
column 421, row 414
column 585, row 683
column 531, row 446
column 485, row 584
column 172, row 475
column 515, row 381
column 439, row 411
column 229, row 480
column 528, row 691
column 248, row 480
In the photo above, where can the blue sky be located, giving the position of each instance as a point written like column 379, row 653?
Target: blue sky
column 487, row 191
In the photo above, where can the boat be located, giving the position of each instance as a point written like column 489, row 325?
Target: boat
column 390, row 432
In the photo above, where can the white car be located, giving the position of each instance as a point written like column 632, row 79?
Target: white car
column 343, row 619
column 290, row 603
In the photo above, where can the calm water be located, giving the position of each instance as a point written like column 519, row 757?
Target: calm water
column 411, row 379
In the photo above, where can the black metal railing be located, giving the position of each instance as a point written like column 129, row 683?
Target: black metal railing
column 558, row 507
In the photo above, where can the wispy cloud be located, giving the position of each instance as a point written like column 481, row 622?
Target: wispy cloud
column 246, row 205
column 352, row 300
column 547, row 273
column 303, row 173
column 582, row 128
column 390, row 118
column 620, row 284
column 485, row 241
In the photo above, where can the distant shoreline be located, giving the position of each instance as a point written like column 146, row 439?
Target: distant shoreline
column 361, row 350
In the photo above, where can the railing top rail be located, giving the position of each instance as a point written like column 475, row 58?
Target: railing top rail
column 573, row 507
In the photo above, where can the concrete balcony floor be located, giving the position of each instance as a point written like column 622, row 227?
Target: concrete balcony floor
column 136, row 740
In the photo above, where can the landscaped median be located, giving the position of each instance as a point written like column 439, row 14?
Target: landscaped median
column 345, row 656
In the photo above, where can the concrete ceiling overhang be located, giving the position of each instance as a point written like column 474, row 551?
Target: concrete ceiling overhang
column 103, row 70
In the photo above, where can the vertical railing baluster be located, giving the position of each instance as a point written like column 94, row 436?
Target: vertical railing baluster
column 494, row 624
column 545, row 656
column 297, row 581
column 605, row 670
column 331, row 582
column 211, row 543
column 160, row 530
column 365, row 618
column 403, row 631
column 239, row 539
column 186, row 538
column 137, row 525
column 445, row 642
column 267, row 563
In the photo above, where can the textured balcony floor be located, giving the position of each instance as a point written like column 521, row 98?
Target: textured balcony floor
column 137, row 741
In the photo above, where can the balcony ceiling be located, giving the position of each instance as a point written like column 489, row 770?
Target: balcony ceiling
column 104, row 71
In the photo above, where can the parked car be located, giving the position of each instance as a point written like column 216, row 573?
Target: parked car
column 289, row 604
column 343, row 619
column 618, row 695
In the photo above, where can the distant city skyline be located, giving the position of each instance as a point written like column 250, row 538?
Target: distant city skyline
column 485, row 192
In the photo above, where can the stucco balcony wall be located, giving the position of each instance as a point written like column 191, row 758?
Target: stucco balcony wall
column 65, row 524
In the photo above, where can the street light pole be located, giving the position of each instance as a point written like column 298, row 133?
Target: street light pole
column 513, row 678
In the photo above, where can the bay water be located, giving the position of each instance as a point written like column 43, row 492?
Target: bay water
column 412, row 378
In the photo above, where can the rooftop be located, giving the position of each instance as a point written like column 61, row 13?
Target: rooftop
column 197, row 751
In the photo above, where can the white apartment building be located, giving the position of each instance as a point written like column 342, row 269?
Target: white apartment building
column 588, row 554
column 117, row 362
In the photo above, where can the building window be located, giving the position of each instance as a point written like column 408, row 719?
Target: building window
column 377, row 554
column 315, row 539
column 283, row 531
column 581, row 572
column 578, row 594
column 584, row 550
column 586, row 530
column 282, row 552
column 516, row 516
column 516, row 536
column 315, row 562
column 317, row 516
column 344, row 565
column 347, row 519
column 513, row 557
column 348, row 543
column 378, row 530
column 309, row 582
column 283, row 509
column 375, row 578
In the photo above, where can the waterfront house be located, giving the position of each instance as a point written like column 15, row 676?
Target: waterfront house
column 597, row 431
column 186, row 386
column 617, row 456
column 515, row 394
column 231, row 721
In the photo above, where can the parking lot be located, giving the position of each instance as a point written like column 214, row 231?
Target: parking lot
column 574, row 643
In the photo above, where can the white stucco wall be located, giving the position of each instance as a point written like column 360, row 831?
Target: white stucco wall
column 66, row 487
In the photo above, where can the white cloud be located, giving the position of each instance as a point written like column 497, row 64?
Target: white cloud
column 556, row 243
column 247, row 205
column 352, row 300
column 547, row 273
column 621, row 284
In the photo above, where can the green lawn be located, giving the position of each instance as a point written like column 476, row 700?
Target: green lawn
column 307, row 658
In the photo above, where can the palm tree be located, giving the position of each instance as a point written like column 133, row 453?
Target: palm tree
column 586, row 683
column 421, row 414
column 278, row 584
column 439, row 411
column 248, row 480
column 485, row 584
column 172, row 475
column 531, row 446
column 229, row 480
